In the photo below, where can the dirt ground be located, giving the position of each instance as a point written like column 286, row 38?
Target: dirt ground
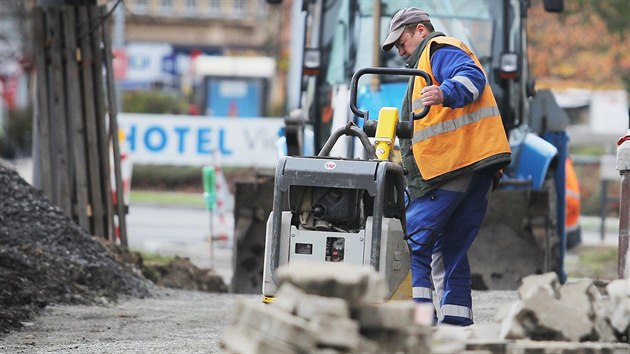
column 173, row 321
column 47, row 260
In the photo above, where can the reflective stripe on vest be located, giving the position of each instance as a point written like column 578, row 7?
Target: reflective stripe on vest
column 448, row 139
column 453, row 124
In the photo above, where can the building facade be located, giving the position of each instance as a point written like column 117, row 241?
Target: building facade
column 164, row 40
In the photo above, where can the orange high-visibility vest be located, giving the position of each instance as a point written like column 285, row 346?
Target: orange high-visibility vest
column 572, row 196
column 448, row 139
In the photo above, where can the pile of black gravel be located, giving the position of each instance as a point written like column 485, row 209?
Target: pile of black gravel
column 45, row 258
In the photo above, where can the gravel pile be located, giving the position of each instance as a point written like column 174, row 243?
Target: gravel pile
column 45, row 258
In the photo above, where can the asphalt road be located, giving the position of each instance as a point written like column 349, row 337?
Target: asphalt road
column 184, row 232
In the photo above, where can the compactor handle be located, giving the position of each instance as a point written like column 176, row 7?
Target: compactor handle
column 351, row 130
column 387, row 71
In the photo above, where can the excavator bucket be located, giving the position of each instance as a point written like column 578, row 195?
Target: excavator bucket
column 517, row 238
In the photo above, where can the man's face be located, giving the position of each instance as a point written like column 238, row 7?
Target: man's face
column 410, row 40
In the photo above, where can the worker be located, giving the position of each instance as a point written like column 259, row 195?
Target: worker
column 572, row 224
column 453, row 160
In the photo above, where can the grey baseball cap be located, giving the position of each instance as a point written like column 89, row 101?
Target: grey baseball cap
column 402, row 18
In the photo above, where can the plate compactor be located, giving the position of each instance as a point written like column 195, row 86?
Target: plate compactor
column 330, row 209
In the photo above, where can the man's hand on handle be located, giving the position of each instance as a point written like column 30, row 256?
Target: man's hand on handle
column 432, row 95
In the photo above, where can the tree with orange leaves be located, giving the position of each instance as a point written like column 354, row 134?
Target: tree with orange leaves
column 582, row 47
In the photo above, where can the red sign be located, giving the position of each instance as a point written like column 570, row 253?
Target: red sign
column 120, row 63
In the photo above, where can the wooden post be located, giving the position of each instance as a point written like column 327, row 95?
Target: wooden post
column 75, row 122
column 89, row 116
column 101, row 128
column 41, row 47
column 73, row 136
column 113, row 129
column 61, row 180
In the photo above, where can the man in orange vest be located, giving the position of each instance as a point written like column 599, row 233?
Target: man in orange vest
column 453, row 159
column 574, row 232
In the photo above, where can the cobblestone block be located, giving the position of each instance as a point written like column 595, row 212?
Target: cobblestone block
column 412, row 340
column 244, row 340
column 390, row 315
column 496, row 346
column 510, row 326
column 548, row 281
column 484, row 331
column 619, row 305
column 618, row 288
column 311, row 305
column 546, row 347
column 367, row 346
column 287, row 297
column 543, row 317
column 276, row 324
column 447, row 339
column 357, row 285
column 580, row 294
column 601, row 324
column 619, row 314
column 337, row 332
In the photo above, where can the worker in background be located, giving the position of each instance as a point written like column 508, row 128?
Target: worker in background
column 453, row 159
column 572, row 224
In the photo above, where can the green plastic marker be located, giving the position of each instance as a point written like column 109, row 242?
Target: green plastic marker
column 209, row 189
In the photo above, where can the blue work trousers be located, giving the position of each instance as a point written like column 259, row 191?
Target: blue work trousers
column 442, row 226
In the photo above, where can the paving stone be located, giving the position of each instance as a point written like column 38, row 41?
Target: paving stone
column 583, row 298
column 548, row 281
column 580, row 294
column 601, row 323
column 291, row 299
column 327, row 351
column 424, row 313
column 311, row 305
column 618, row 311
column 484, row 331
column 390, row 315
column 618, row 288
column 286, row 298
column 367, row 346
column 357, row 285
column 511, row 327
column 242, row 339
column 337, row 332
column 619, row 314
column 496, row 346
column 547, row 347
column 543, row 317
column 413, row 340
column 447, row 339
column 276, row 324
